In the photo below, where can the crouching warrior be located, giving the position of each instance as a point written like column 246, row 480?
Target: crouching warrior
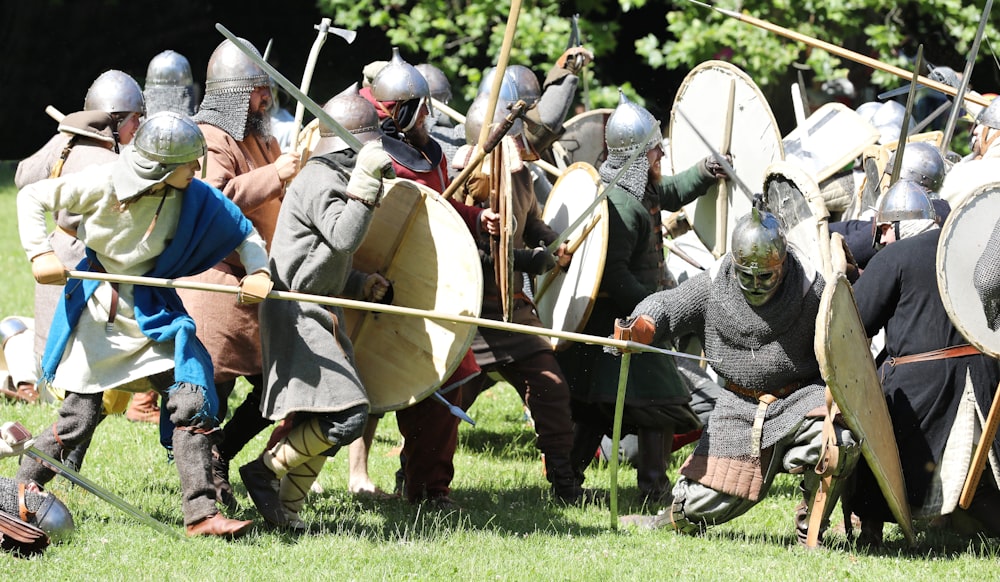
column 755, row 312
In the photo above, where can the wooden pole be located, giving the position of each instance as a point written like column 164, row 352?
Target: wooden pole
column 982, row 453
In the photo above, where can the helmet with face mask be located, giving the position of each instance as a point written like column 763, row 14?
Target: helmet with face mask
column 759, row 250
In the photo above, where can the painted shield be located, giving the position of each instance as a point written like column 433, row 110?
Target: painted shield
column 849, row 370
column 756, row 140
column 419, row 242
column 831, row 138
column 566, row 298
column 969, row 252
column 583, row 140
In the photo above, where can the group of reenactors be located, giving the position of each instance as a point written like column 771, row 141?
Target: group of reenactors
column 156, row 183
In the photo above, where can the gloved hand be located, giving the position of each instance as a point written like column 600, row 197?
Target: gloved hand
column 639, row 329
column 377, row 288
column 14, row 439
column 48, row 269
column 254, row 288
column 711, row 168
column 533, row 261
column 574, row 59
column 373, row 165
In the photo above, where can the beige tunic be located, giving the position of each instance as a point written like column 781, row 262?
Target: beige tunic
column 245, row 173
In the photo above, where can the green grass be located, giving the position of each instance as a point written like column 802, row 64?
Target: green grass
column 507, row 528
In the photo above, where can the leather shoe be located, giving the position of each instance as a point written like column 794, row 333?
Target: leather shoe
column 220, row 478
column 218, row 525
column 262, row 486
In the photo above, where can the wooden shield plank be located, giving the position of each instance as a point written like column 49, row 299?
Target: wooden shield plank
column 832, row 137
column 756, row 140
column 849, row 370
column 583, row 140
column 421, row 244
column 964, row 239
column 566, row 298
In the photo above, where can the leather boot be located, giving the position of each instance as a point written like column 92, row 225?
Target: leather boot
column 220, row 478
column 565, row 488
column 145, row 407
column 218, row 525
column 245, row 424
column 651, row 466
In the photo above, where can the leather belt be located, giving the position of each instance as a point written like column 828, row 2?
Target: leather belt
column 113, row 308
column 758, row 394
column 952, row 352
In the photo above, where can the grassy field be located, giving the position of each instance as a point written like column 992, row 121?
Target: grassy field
column 507, row 528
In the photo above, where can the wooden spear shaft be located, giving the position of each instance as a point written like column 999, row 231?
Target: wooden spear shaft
column 845, row 53
column 620, row 345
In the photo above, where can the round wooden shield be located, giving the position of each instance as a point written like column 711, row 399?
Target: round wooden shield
column 583, row 140
column 755, row 140
column 421, row 244
column 971, row 237
column 566, row 298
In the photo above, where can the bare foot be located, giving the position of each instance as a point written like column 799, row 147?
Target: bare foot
column 369, row 489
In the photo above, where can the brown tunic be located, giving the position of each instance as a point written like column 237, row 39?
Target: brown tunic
column 245, row 173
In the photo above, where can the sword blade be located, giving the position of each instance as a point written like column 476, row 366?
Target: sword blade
column 78, row 479
column 730, row 172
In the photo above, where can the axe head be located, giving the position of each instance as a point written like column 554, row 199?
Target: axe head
column 348, row 35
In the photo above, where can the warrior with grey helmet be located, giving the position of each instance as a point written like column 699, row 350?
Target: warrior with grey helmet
column 325, row 216
column 400, row 94
column 755, row 311
column 244, row 161
column 169, row 84
column 657, row 400
column 938, row 387
column 143, row 214
column 443, row 129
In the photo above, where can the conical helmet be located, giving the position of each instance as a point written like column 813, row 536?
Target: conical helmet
column 169, row 84
column 399, row 81
column 923, row 164
column 115, row 92
column 230, row 70
column 169, row 138
column 904, row 200
column 438, row 84
column 477, row 113
column 759, row 250
column 519, row 82
column 355, row 114
column 629, row 127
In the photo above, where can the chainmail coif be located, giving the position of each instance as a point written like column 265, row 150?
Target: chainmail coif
column 8, row 497
column 226, row 109
column 179, row 99
column 764, row 348
column 986, row 279
column 635, row 177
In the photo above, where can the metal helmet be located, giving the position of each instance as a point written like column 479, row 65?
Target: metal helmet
column 9, row 327
column 169, row 84
column 923, row 164
column 169, row 138
column 886, row 117
column 519, row 82
column 629, row 127
column 759, row 250
column 439, row 86
column 904, row 200
column 232, row 71
column 115, row 92
column 946, row 75
column 399, row 81
column 990, row 116
column 477, row 113
column 355, row 114
column 54, row 518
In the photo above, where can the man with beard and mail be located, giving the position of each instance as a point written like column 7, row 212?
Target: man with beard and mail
column 935, row 383
column 430, row 432
column 755, row 313
column 312, row 380
column 246, row 163
column 657, row 399
column 142, row 214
